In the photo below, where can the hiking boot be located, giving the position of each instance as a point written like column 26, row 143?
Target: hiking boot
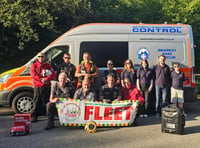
column 34, row 119
column 50, row 125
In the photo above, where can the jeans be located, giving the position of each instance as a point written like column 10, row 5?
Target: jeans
column 161, row 101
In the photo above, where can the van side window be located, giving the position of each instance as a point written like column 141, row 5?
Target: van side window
column 55, row 54
column 102, row 51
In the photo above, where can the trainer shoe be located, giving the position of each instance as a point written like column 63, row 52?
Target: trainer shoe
column 145, row 115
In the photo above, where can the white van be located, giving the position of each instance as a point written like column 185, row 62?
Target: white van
column 118, row 42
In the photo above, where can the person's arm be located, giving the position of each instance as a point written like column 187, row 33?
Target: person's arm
column 95, row 74
column 138, row 84
column 122, row 78
column 138, row 79
column 52, row 99
column 151, row 85
column 76, row 94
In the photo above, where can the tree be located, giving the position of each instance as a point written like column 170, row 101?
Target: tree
column 186, row 12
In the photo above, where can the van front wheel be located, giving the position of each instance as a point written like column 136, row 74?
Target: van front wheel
column 23, row 103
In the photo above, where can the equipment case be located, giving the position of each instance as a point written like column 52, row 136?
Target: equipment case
column 173, row 120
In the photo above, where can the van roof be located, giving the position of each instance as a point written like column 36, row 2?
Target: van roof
column 123, row 28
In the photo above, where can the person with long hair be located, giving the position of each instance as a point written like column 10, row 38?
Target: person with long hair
column 128, row 72
column 144, row 85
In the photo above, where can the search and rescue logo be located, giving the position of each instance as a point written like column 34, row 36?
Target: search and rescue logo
column 143, row 53
column 70, row 111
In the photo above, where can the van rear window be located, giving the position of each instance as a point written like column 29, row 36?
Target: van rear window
column 102, row 51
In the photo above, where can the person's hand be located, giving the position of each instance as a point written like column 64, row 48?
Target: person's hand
column 87, row 75
column 116, row 100
column 107, row 100
column 150, row 88
column 139, row 88
column 54, row 100
column 43, row 80
column 139, row 101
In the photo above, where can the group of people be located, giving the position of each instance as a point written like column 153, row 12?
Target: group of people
column 131, row 84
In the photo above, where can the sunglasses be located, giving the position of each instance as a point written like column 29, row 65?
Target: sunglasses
column 128, row 63
column 67, row 57
column 110, row 64
column 40, row 56
column 176, row 66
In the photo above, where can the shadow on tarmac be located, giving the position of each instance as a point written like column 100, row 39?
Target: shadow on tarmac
column 191, row 130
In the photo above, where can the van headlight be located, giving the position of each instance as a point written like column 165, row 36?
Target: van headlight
column 4, row 78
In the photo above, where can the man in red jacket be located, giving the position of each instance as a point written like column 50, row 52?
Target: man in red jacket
column 42, row 74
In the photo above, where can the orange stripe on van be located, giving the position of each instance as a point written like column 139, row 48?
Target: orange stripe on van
column 16, row 74
column 188, row 41
column 15, row 82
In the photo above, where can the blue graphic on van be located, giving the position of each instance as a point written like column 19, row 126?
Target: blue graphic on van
column 143, row 53
column 169, row 53
column 157, row 29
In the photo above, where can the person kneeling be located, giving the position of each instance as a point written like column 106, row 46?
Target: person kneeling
column 110, row 92
column 60, row 89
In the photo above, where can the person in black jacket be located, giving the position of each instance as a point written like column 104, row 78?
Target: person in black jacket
column 67, row 67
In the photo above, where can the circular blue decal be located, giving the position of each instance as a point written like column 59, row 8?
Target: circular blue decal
column 143, row 53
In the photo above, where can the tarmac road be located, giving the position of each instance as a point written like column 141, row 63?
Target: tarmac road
column 147, row 135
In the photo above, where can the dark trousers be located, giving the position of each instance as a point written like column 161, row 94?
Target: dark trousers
column 145, row 106
column 51, row 111
column 41, row 97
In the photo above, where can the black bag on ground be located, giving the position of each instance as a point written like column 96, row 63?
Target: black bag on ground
column 173, row 120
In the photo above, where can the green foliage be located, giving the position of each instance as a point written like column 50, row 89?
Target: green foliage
column 30, row 25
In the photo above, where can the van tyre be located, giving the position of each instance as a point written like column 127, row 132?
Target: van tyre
column 91, row 127
column 23, row 103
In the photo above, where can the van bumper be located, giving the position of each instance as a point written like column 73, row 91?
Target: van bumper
column 4, row 97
